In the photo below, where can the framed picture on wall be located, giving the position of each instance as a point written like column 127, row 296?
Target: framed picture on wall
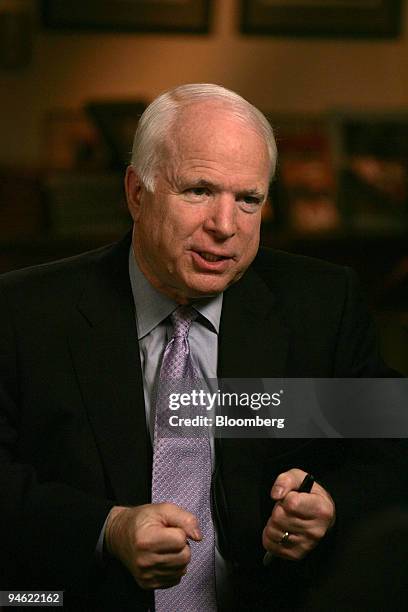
column 116, row 122
column 371, row 156
column 128, row 15
column 306, row 178
column 329, row 18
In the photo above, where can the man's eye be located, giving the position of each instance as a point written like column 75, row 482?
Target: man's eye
column 197, row 193
column 250, row 203
column 251, row 200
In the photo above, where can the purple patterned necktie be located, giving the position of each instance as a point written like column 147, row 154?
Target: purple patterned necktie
column 182, row 475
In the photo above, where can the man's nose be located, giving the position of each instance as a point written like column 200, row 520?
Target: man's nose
column 222, row 218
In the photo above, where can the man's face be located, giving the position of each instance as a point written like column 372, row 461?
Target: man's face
column 199, row 231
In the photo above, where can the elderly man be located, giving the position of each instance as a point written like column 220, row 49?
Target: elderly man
column 94, row 502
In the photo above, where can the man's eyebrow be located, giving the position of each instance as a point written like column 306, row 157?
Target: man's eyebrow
column 254, row 193
column 202, row 182
column 198, row 182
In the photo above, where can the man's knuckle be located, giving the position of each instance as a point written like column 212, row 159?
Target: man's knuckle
column 291, row 503
column 143, row 563
column 317, row 533
column 279, row 513
column 190, row 522
column 179, row 539
column 326, row 512
column 166, row 507
column 284, row 479
column 142, row 542
column 323, row 513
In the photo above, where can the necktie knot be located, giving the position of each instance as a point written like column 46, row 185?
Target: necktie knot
column 182, row 318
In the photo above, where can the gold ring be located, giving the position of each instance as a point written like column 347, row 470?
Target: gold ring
column 284, row 538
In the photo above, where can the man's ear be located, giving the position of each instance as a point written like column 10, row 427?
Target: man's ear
column 133, row 189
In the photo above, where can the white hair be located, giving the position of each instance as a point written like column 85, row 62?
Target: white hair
column 159, row 117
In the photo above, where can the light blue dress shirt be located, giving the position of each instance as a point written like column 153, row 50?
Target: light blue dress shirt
column 154, row 330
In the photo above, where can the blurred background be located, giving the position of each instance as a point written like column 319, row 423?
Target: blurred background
column 332, row 77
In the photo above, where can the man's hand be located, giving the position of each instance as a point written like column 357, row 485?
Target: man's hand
column 305, row 516
column 151, row 541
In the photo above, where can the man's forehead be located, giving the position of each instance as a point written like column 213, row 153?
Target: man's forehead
column 216, row 129
column 209, row 116
column 205, row 109
column 207, row 139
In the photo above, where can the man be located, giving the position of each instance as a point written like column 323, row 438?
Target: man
column 82, row 347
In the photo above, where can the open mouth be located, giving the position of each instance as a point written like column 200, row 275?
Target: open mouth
column 211, row 257
column 210, row 262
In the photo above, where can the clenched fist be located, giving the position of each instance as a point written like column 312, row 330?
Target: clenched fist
column 151, row 541
column 306, row 517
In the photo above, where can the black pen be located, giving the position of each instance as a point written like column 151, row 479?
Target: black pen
column 307, row 484
column 305, row 487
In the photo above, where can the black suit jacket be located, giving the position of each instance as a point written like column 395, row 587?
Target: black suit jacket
column 73, row 440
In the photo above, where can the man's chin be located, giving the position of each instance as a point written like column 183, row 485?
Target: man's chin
column 199, row 293
column 199, row 286
column 209, row 288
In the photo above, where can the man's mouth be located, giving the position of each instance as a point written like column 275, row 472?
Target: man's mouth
column 207, row 262
column 211, row 257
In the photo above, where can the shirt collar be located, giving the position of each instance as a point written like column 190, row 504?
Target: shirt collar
column 152, row 306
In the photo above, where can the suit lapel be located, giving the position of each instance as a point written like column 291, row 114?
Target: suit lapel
column 253, row 341
column 106, row 359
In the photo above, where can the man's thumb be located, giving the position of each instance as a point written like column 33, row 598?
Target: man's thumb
column 178, row 517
